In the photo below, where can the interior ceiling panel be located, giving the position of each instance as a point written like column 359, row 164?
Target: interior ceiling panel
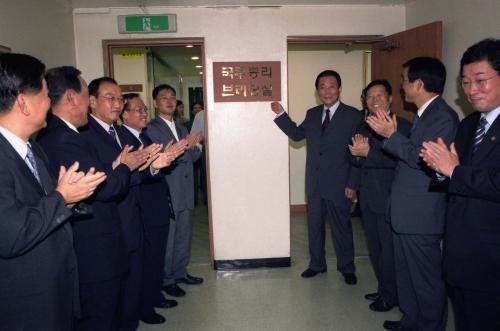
column 222, row 3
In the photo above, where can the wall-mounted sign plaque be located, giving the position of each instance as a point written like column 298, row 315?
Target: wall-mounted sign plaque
column 247, row 81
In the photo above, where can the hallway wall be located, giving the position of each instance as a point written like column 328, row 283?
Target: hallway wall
column 249, row 159
column 305, row 61
column 43, row 29
column 465, row 22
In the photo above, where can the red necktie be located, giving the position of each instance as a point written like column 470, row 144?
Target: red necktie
column 326, row 121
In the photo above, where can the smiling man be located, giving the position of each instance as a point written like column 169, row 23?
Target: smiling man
column 472, row 238
column 331, row 181
column 377, row 173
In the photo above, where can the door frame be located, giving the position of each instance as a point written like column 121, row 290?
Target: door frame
column 340, row 39
column 107, row 50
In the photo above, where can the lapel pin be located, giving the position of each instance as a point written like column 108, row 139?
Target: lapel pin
column 493, row 138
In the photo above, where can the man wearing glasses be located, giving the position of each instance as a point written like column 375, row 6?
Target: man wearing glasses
column 417, row 209
column 106, row 104
column 472, row 164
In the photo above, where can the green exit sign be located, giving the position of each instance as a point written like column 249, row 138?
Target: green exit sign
column 147, row 23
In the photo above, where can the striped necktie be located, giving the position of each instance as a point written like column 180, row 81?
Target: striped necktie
column 112, row 133
column 31, row 162
column 480, row 132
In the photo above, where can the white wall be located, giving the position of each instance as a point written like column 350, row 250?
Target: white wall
column 132, row 69
column 465, row 22
column 248, row 153
column 43, row 29
column 304, row 64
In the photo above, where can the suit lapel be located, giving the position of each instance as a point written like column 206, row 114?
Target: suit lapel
column 489, row 141
column 20, row 164
column 165, row 128
column 106, row 137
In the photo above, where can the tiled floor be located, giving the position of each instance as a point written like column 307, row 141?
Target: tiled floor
column 275, row 299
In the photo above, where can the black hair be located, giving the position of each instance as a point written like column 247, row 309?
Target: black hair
column 19, row 73
column 485, row 50
column 383, row 82
column 96, row 84
column 429, row 70
column 328, row 73
column 162, row 87
column 126, row 102
column 61, row 79
column 179, row 102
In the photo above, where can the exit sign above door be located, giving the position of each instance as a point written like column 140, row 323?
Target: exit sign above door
column 147, row 23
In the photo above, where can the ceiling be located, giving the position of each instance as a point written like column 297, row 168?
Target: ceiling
column 223, row 3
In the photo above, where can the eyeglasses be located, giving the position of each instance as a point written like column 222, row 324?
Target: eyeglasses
column 112, row 99
column 140, row 110
column 479, row 82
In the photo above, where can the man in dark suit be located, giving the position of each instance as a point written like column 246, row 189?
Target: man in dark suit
column 472, row 237
column 163, row 129
column 155, row 209
column 417, row 209
column 99, row 241
column 377, row 173
column 331, row 181
column 38, row 270
column 106, row 105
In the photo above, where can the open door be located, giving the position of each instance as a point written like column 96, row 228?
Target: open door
column 389, row 55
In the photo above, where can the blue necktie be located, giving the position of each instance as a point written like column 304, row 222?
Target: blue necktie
column 480, row 133
column 31, row 162
column 112, row 133
column 415, row 121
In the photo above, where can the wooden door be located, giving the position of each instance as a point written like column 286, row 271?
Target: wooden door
column 389, row 55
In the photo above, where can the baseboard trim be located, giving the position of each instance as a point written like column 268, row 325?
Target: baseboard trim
column 298, row 208
column 275, row 262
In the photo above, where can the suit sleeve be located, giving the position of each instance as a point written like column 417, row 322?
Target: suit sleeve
column 23, row 226
column 117, row 180
column 290, row 128
column 354, row 178
column 476, row 182
column 408, row 149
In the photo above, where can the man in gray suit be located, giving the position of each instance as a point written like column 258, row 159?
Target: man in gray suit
column 163, row 129
column 418, row 208
column 330, row 179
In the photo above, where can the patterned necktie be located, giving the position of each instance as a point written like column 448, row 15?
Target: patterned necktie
column 112, row 133
column 326, row 121
column 480, row 132
column 31, row 162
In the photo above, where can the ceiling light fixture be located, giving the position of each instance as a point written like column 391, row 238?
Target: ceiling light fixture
column 195, row 57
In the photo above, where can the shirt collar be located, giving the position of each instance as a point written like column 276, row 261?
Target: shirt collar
column 421, row 110
column 19, row 145
column 71, row 126
column 104, row 125
column 491, row 116
column 334, row 107
column 133, row 131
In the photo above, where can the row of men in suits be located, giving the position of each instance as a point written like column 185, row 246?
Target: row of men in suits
column 112, row 242
column 411, row 184
column 38, row 265
column 106, row 268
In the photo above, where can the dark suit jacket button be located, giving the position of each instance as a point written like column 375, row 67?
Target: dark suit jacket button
column 320, row 154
